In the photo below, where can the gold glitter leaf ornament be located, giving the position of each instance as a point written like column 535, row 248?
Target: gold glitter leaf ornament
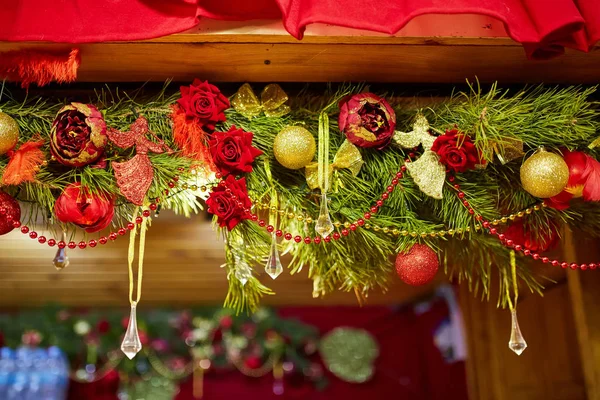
column 349, row 354
column 544, row 174
column 272, row 101
column 427, row 172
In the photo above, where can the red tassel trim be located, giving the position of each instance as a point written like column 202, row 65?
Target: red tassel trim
column 191, row 138
column 41, row 68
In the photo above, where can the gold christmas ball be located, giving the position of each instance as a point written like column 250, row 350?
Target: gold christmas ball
column 544, row 174
column 294, row 147
column 9, row 133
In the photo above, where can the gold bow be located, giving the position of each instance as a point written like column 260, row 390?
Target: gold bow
column 427, row 172
column 348, row 156
column 272, row 101
column 506, row 150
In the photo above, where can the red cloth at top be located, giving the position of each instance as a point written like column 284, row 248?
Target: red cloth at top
column 544, row 27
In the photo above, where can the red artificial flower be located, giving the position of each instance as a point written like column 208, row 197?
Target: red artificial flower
column 103, row 326
column 226, row 322
column 253, row 362
column 456, row 151
column 78, row 135
column 584, row 180
column 232, row 151
column 31, row 338
column 540, row 241
column 367, row 120
column 204, row 102
column 229, row 212
column 92, row 212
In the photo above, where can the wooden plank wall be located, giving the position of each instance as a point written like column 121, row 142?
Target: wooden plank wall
column 182, row 267
column 278, row 58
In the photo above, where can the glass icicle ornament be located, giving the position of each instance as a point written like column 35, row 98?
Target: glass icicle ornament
column 324, row 226
column 516, row 343
column 273, row 267
column 61, row 260
column 131, row 342
column 242, row 272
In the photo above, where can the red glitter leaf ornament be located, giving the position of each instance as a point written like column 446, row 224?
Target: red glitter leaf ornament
column 135, row 176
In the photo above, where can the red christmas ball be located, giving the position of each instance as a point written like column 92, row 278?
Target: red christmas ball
column 418, row 266
column 10, row 207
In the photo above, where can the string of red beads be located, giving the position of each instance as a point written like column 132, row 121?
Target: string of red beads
column 307, row 239
column 510, row 243
column 335, row 235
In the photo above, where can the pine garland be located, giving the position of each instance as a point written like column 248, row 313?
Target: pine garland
column 552, row 117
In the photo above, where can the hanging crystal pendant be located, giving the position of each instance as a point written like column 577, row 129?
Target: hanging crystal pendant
column 243, row 273
column 61, row 260
column 324, row 227
column 273, row 267
column 131, row 342
column 516, row 343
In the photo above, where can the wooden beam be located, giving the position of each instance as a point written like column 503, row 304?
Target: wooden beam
column 280, row 58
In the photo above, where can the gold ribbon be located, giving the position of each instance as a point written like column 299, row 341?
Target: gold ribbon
column 272, row 101
column 348, row 156
column 506, row 150
column 131, row 257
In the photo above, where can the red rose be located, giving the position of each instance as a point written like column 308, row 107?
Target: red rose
column 78, row 135
column 367, row 120
column 92, row 212
column 456, row 151
column 232, row 151
column 229, row 212
column 204, row 102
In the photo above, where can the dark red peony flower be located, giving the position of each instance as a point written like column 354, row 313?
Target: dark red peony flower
column 78, row 135
column 103, row 326
column 204, row 102
column 456, row 151
column 541, row 241
column 232, row 151
column 92, row 212
column 367, row 120
column 229, row 212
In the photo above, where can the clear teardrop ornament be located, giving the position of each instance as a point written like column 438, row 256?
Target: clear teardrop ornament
column 243, row 273
column 273, row 267
column 131, row 342
column 61, row 259
column 516, row 343
column 324, row 226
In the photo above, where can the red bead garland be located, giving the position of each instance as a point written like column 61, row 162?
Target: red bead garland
column 517, row 247
column 360, row 222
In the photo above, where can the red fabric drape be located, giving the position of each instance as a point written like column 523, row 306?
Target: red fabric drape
column 544, row 27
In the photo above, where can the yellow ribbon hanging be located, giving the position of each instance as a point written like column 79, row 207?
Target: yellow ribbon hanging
column 131, row 257
column 348, row 156
column 272, row 101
